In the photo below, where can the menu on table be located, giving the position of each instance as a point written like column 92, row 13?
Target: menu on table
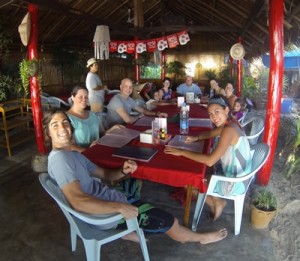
column 117, row 138
column 179, row 142
column 135, row 153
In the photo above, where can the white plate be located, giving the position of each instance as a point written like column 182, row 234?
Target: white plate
column 134, row 113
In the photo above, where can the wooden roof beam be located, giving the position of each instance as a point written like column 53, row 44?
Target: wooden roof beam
column 255, row 10
column 175, row 28
column 72, row 12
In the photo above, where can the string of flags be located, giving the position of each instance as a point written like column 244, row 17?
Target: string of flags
column 150, row 45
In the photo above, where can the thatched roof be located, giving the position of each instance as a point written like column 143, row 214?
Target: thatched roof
column 213, row 25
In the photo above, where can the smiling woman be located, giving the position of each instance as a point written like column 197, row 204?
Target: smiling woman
column 232, row 149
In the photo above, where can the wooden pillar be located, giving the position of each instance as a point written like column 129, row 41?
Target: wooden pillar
column 138, row 22
column 163, row 69
column 275, row 85
column 34, row 83
column 137, row 66
column 232, row 66
column 239, row 74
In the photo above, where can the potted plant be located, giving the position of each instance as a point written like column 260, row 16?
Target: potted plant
column 28, row 68
column 264, row 208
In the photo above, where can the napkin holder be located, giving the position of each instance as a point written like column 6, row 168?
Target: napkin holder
column 146, row 137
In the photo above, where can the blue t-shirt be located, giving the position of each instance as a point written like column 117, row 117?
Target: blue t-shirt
column 182, row 89
column 85, row 130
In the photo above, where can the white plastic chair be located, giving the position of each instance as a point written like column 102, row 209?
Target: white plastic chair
column 57, row 102
column 253, row 128
column 260, row 155
column 93, row 238
column 245, row 112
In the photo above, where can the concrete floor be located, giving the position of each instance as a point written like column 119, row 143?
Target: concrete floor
column 33, row 228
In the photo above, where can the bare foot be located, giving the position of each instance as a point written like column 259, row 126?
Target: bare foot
column 220, row 204
column 131, row 237
column 213, row 236
column 210, row 202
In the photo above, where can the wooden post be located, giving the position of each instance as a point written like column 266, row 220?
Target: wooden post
column 163, row 69
column 138, row 22
column 239, row 74
column 34, row 83
column 275, row 86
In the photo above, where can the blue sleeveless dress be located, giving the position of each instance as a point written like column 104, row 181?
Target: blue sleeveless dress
column 236, row 162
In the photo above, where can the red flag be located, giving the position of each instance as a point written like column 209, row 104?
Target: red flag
column 113, row 46
column 151, row 45
column 130, row 47
column 172, row 40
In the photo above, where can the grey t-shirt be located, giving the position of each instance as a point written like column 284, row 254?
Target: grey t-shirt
column 68, row 166
column 116, row 103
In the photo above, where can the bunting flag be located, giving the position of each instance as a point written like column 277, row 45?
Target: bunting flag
column 150, row 45
column 130, row 47
column 113, row 47
column 162, row 44
column 141, row 47
column 172, row 40
column 183, row 37
column 122, row 47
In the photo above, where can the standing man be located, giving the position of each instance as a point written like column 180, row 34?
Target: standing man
column 95, row 86
column 188, row 86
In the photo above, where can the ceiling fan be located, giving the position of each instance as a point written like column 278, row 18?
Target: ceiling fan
column 129, row 19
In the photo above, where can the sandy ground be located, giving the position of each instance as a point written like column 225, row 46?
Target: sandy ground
column 285, row 228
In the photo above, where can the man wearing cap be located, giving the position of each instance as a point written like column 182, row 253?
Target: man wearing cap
column 188, row 86
column 95, row 86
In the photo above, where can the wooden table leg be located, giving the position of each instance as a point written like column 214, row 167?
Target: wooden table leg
column 187, row 209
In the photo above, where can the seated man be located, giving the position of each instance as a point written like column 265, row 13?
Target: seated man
column 75, row 174
column 121, row 106
column 188, row 86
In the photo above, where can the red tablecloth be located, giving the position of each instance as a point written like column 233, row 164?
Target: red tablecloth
column 162, row 168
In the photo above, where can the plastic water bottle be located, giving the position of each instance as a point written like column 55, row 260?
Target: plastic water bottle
column 211, row 93
column 184, row 120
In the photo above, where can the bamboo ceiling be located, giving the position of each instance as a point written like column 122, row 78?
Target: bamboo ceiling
column 213, row 25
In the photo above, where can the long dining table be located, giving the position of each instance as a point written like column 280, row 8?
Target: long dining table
column 163, row 168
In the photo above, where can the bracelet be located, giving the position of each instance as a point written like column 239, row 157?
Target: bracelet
column 125, row 174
